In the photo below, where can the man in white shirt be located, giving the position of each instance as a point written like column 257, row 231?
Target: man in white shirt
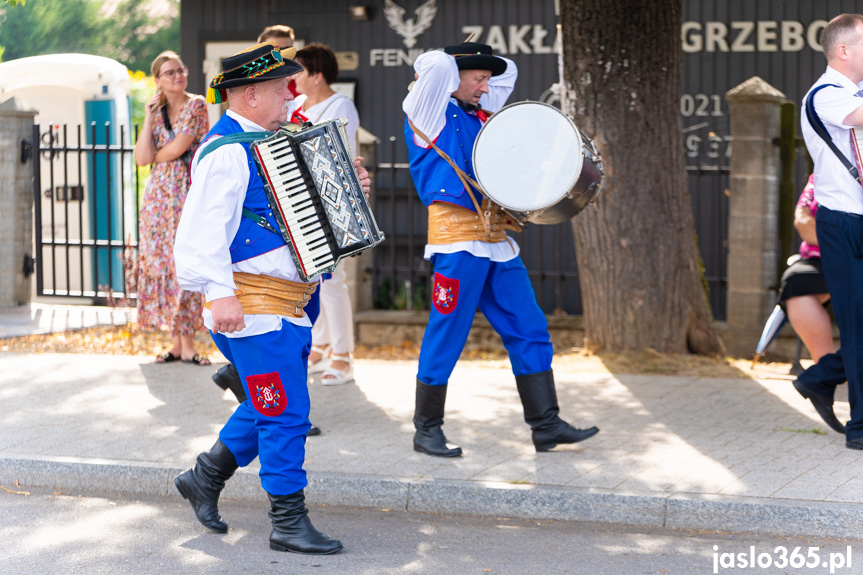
column 835, row 107
column 227, row 247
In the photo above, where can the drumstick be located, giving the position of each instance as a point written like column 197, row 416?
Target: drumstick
column 468, row 39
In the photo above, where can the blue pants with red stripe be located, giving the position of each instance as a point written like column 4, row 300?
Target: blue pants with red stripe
column 464, row 283
column 272, row 424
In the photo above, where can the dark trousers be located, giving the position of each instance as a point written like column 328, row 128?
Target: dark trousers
column 824, row 376
column 840, row 237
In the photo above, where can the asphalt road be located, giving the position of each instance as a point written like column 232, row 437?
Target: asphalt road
column 46, row 533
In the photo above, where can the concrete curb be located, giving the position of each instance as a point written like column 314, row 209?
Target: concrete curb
column 491, row 499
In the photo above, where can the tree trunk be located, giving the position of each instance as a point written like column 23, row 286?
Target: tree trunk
column 638, row 262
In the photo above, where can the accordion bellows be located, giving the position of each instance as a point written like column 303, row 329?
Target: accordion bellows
column 317, row 200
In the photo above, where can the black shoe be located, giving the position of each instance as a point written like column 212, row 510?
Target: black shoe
column 229, row 378
column 292, row 529
column 539, row 400
column 202, row 485
column 313, row 430
column 856, row 443
column 428, row 419
column 822, row 404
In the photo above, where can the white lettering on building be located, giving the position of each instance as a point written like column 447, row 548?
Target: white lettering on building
column 392, row 57
column 746, row 36
column 514, row 39
column 711, row 36
column 524, row 39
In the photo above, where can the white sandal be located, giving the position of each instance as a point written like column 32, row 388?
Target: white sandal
column 333, row 376
column 323, row 363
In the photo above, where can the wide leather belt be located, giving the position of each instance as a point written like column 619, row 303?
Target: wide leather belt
column 449, row 223
column 259, row 294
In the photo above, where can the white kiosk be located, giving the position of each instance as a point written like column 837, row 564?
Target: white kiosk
column 90, row 192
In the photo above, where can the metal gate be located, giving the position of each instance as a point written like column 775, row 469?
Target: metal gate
column 86, row 212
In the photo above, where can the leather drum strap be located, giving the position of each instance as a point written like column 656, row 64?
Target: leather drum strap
column 260, row 294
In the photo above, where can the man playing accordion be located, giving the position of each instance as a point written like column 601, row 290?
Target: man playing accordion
column 222, row 245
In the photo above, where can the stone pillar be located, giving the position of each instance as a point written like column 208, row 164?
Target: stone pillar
column 16, row 202
column 754, row 207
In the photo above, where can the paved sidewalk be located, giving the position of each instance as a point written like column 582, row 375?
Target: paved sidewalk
column 39, row 318
column 673, row 451
column 680, row 452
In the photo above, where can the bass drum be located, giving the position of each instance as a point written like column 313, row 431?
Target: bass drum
column 531, row 159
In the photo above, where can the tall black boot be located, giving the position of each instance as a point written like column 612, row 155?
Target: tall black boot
column 541, row 412
column 292, row 529
column 229, row 378
column 202, row 484
column 428, row 419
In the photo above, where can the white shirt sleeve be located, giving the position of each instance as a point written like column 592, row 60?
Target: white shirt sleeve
column 426, row 103
column 834, row 104
column 500, row 87
column 210, row 220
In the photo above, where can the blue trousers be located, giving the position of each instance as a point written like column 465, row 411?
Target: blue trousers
column 464, row 283
column 273, row 422
column 840, row 237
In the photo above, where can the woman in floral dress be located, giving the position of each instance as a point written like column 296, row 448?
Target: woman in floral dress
column 175, row 122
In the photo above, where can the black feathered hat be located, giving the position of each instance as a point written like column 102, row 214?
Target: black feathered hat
column 259, row 63
column 476, row 56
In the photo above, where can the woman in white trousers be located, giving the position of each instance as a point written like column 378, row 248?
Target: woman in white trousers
column 333, row 332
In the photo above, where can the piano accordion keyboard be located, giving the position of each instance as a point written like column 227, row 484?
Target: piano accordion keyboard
column 296, row 206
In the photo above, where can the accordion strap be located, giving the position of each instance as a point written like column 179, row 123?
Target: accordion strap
column 241, row 138
column 236, row 138
column 260, row 221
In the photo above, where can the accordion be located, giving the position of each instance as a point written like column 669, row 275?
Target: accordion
column 318, row 202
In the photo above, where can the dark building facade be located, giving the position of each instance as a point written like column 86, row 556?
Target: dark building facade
column 724, row 43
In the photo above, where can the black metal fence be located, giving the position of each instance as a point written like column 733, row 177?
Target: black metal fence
column 86, row 219
column 86, row 211
column 401, row 277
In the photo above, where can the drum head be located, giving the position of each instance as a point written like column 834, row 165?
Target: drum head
column 527, row 156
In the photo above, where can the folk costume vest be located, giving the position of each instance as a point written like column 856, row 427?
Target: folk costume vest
column 251, row 240
column 434, row 178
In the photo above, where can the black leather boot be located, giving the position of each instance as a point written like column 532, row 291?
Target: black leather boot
column 229, row 378
column 202, row 484
column 292, row 529
column 541, row 412
column 428, row 419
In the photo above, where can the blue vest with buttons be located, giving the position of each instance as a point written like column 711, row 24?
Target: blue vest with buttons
column 251, row 240
column 434, row 178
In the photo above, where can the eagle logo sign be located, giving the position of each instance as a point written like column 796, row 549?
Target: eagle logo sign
column 412, row 28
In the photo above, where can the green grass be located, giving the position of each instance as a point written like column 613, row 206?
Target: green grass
column 815, row 430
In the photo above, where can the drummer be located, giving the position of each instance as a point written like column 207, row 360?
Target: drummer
column 476, row 265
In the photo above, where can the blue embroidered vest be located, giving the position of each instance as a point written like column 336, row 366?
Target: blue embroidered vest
column 434, row 178
column 251, row 239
